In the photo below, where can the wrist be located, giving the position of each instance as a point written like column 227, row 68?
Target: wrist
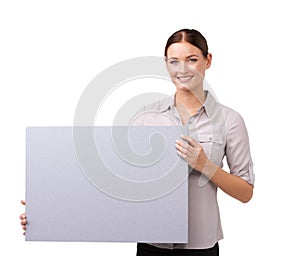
column 210, row 169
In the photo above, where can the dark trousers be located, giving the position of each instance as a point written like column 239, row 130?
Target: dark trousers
column 149, row 250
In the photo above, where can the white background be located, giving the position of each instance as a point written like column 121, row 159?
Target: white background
column 49, row 52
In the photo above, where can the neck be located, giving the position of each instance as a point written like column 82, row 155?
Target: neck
column 189, row 101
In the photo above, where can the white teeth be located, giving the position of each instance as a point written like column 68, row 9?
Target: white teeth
column 184, row 79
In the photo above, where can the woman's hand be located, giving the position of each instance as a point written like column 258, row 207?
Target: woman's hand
column 195, row 156
column 23, row 218
column 192, row 153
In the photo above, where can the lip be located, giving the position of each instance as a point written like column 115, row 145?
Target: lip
column 184, row 79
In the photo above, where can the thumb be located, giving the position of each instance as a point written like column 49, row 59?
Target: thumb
column 23, row 202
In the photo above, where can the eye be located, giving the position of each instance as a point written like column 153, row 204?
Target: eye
column 193, row 60
column 173, row 62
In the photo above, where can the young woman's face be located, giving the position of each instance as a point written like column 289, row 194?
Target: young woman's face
column 186, row 65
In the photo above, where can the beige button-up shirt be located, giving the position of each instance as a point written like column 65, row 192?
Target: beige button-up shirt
column 221, row 132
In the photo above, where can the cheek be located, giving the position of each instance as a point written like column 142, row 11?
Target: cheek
column 199, row 70
column 172, row 73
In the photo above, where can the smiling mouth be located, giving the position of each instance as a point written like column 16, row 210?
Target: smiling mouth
column 184, row 79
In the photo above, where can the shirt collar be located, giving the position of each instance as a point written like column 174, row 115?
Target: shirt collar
column 209, row 104
column 167, row 103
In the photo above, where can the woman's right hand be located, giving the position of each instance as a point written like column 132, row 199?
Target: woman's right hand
column 23, row 218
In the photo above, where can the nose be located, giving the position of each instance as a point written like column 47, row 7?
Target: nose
column 182, row 68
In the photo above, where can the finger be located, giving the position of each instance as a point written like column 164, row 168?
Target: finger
column 24, row 227
column 190, row 140
column 188, row 150
column 23, row 216
column 181, row 143
column 23, row 222
column 182, row 155
column 182, row 148
column 23, row 202
column 24, row 233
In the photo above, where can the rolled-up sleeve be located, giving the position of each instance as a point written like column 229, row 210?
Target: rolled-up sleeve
column 238, row 150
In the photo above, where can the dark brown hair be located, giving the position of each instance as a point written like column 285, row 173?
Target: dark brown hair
column 191, row 36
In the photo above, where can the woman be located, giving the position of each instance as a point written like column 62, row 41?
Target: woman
column 215, row 131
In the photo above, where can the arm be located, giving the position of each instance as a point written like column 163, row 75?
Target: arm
column 231, row 184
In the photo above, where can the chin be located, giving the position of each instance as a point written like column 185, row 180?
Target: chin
column 187, row 87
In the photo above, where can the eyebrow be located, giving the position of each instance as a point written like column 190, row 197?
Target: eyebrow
column 187, row 57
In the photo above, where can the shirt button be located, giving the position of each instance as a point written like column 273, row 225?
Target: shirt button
column 190, row 121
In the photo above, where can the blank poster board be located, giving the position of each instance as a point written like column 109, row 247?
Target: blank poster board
column 143, row 197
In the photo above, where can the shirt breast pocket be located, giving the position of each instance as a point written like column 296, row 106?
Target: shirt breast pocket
column 213, row 147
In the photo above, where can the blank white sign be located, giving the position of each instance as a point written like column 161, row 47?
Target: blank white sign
column 70, row 198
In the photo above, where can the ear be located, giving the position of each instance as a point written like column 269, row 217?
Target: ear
column 208, row 59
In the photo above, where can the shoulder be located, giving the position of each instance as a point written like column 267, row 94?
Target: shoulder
column 234, row 122
column 152, row 113
column 156, row 106
column 160, row 105
column 230, row 114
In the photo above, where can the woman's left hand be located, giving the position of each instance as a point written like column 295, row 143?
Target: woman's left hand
column 195, row 156
column 192, row 152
